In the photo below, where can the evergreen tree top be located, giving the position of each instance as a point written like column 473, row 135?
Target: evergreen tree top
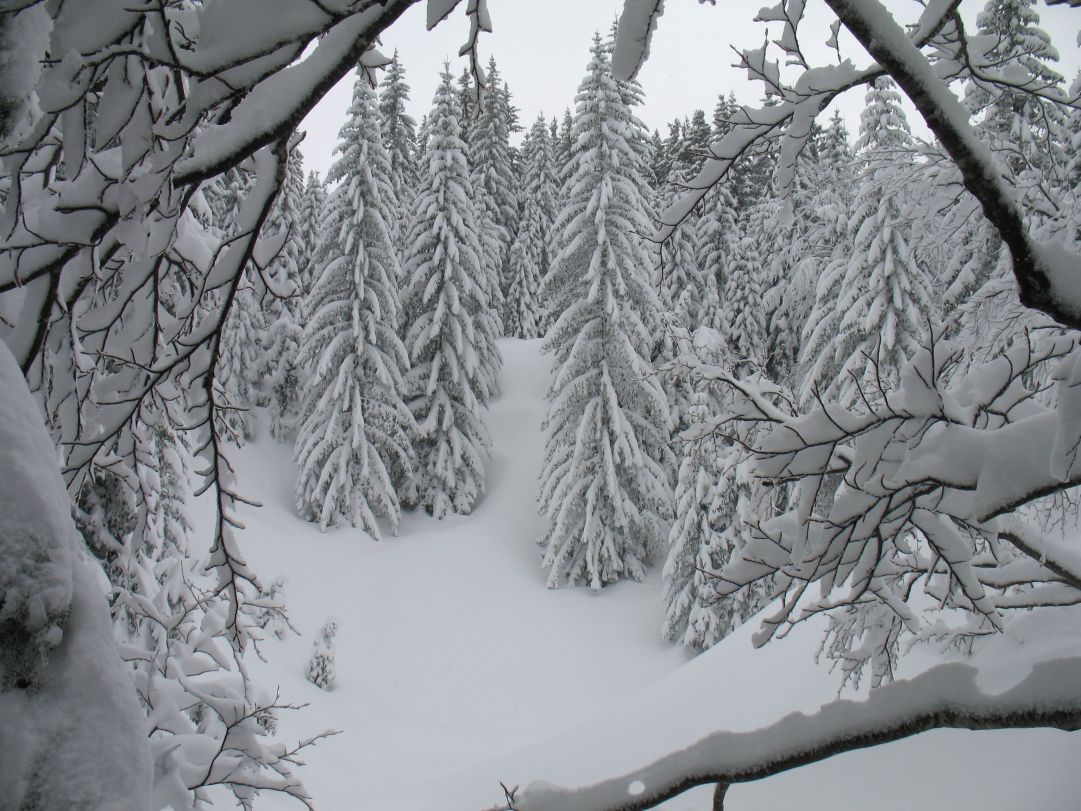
column 399, row 128
column 883, row 125
column 1015, row 25
column 360, row 138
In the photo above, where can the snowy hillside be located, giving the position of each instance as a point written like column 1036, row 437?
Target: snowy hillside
column 457, row 669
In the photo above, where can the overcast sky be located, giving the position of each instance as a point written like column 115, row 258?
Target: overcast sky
column 542, row 49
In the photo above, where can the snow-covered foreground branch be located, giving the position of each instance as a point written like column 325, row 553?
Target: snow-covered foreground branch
column 945, row 697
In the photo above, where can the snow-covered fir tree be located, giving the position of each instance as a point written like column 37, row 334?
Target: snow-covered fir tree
column 321, row 671
column 826, row 251
column 400, row 140
column 1018, row 124
column 495, row 182
column 526, row 314
column 311, row 225
column 239, row 354
column 604, row 486
column 451, row 337
column 236, row 369
column 681, row 280
column 564, row 146
column 885, row 300
column 353, row 448
column 702, row 539
column 282, row 377
column 422, row 141
column 467, row 102
column 744, row 318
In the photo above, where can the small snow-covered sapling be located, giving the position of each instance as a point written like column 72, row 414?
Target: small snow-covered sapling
column 321, row 665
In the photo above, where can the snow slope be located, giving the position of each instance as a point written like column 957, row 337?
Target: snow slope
column 457, row 668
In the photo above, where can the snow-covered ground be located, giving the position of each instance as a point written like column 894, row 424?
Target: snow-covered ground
column 457, row 669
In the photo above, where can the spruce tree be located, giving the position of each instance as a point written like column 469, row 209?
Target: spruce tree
column 682, row 280
column 311, row 224
column 604, row 486
column 657, row 163
column 885, row 300
column 399, row 132
column 239, row 354
column 495, row 183
column 1018, row 123
column 529, row 254
column 564, row 146
column 452, row 328
column 236, row 368
column 701, row 541
column 744, row 318
column 278, row 368
column 353, row 448
column 422, row 141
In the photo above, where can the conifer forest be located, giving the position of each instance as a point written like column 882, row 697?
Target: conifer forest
column 514, row 454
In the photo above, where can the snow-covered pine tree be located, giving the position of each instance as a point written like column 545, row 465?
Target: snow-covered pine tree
column 825, row 251
column 353, row 447
column 717, row 232
column 604, row 485
column 657, row 163
column 321, row 671
column 238, row 359
column 564, row 146
column 681, row 279
column 311, row 224
column 452, row 330
column 745, row 329
column 685, row 290
column 467, row 102
column 1020, row 125
column 281, row 376
column 400, row 140
column 719, row 501
column 694, row 147
column 701, row 541
column 670, row 151
column 886, row 300
column 495, row 184
column 236, row 370
column 526, row 315
column 422, row 141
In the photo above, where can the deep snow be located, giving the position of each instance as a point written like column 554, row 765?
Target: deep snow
column 457, row 669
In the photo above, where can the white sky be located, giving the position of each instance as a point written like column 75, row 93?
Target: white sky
column 542, row 48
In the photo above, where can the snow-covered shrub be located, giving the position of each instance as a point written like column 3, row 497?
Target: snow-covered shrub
column 321, row 665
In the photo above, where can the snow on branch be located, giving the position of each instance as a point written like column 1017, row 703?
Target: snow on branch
column 273, row 106
column 925, row 486
column 636, row 26
column 945, row 697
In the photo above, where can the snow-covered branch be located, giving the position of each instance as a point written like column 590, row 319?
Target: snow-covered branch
column 945, row 697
